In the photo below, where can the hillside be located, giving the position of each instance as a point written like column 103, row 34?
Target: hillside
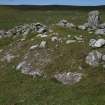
column 31, row 60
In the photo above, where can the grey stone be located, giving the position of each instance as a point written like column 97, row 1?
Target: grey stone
column 97, row 43
column 94, row 19
column 92, row 42
column 100, row 31
column 65, row 23
column 33, row 47
column 68, row 78
column 42, row 44
column 8, row 57
column 70, row 41
column 54, row 38
column 102, row 25
column 27, row 69
column 94, row 58
column 103, row 57
column 82, row 27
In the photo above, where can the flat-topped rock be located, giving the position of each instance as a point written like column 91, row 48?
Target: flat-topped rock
column 68, row 77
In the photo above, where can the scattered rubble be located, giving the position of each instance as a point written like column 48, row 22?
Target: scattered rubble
column 25, row 29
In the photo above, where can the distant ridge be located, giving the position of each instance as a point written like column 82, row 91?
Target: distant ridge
column 53, row 7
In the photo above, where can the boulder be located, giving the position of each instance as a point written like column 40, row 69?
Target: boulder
column 93, row 19
column 65, row 23
column 94, row 58
column 54, row 38
column 43, row 44
column 27, row 69
column 97, row 43
column 68, row 77
column 101, row 26
column 100, row 31
column 40, row 28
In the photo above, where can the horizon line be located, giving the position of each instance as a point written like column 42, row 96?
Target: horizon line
column 48, row 5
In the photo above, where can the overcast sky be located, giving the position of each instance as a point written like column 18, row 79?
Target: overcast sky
column 57, row 2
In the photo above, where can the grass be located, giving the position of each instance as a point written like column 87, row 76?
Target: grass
column 19, row 89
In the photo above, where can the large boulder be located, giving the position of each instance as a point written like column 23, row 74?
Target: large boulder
column 94, row 58
column 93, row 19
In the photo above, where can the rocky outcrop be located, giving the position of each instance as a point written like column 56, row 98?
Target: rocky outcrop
column 25, row 29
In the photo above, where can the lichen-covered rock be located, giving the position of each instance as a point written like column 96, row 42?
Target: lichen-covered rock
column 94, row 58
column 68, row 77
column 100, row 31
column 25, row 29
column 65, row 23
column 94, row 19
column 97, row 43
column 26, row 68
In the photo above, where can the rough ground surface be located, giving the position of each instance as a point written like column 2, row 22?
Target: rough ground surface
column 29, row 60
